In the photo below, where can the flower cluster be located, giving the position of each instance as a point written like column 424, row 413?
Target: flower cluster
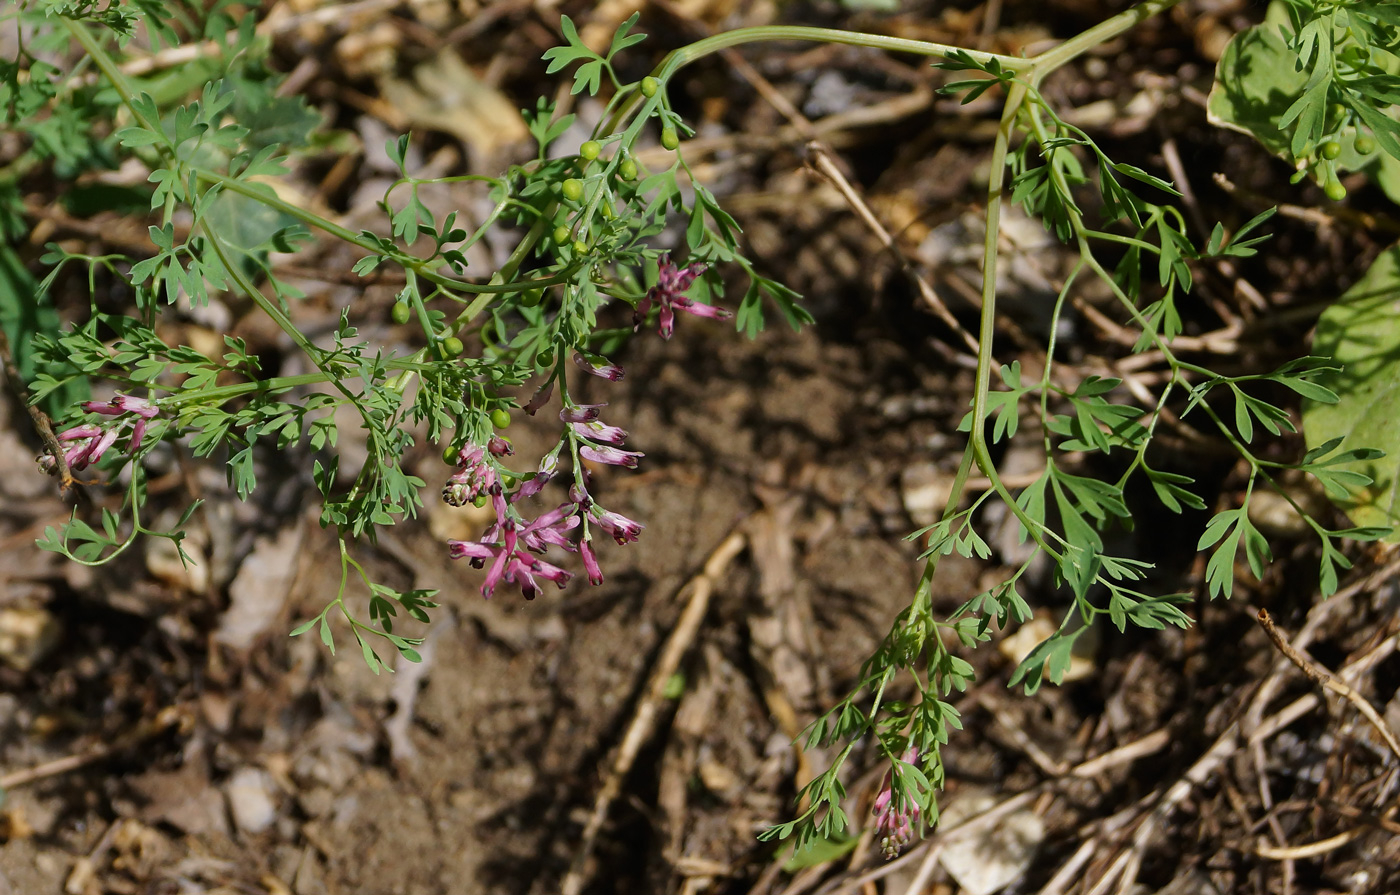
column 895, row 814
column 671, row 281
column 513, row 545
column 87, row 442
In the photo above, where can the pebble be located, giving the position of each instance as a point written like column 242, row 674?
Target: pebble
column 250, row 799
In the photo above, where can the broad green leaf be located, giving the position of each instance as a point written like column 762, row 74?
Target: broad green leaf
column 1361, row 333
column 1255, row 84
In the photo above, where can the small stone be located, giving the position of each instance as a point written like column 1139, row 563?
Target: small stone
column 250, row 799
column 27, row 635
column 988, row 861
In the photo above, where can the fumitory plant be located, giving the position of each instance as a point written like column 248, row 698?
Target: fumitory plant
column 593, row 227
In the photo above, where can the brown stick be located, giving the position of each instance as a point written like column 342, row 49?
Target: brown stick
column 42, row 424
column 1326, row 679
column 167, row 717
column 824, row 166
column 644, row 717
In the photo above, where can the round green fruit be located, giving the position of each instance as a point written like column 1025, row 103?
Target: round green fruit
column 545, row 358
column 1365, row 145
column 500, row 418
column 452, row 346
column 401, row 312
column 531, row 298
column 669, row 138
column 1330, row 150
column 590, row 149
column 572, row 189
column 580, row 247
column 562, row 234
column 649, row 86
column 1335, row 191
column 627, row 169
column 449, row 455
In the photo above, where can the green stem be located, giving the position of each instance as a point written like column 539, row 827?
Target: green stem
column 417, row 265
column 677, row 59
column 977, row 443
column 1103, row 32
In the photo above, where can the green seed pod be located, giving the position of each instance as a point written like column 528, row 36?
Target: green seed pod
column 590, row 149
column 669, row 138
column 1334, row 190
column 1365, row 144
column 500, row 418
column 531, row 298
column 449, row 455
column 649, row 86
column 562, row 234
column 1330, row 150
column 452, row 347
column 580, row 247
column 545, row 358
column 572, row 189
column 479, row 501
column 627, row 169
column 606, row 210
column 401, row 312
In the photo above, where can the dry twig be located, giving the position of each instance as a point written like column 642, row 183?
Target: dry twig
column 643, row 722
column 1324, row 678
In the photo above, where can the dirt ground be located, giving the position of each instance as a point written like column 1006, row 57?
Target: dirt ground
column 160, row 733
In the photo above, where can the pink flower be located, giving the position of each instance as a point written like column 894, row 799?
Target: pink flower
column 622, row 529
column 499, row 446
column 523, row 569
column 602, row 368
column 581, row 413
column 610, row 455
column 534, row 485
column 599, row 431
column 550, row 528
column 507, row 563
column 671, row 281
column 895, row 815
column 96, row 438
column 474, row 477
column 123, row 404
column 590, row 562
column 541, row 397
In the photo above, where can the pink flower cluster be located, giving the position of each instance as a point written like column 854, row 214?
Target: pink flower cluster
column 671, row 281
column 87, row 442
column 513, row 545
column 895, row 816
